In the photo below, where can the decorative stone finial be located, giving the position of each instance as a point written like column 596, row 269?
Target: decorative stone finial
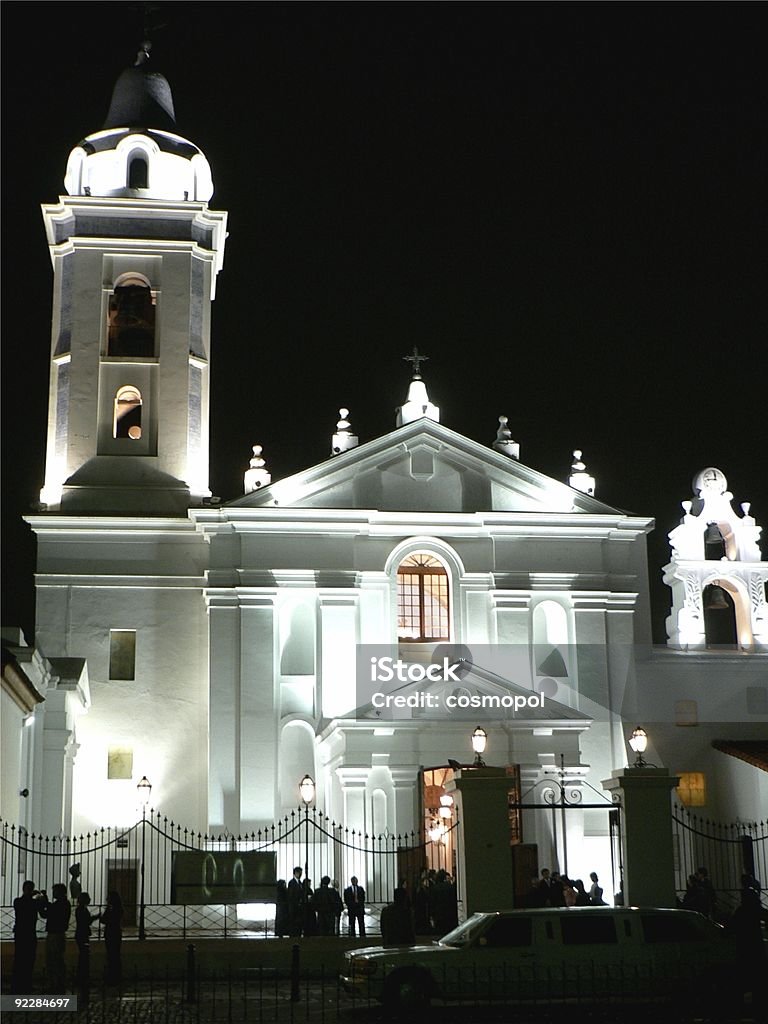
column 343, row 439
column 579, row 479
column 504, row 442
column 257, row 476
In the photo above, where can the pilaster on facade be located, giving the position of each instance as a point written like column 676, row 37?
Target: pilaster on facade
column 67, row 698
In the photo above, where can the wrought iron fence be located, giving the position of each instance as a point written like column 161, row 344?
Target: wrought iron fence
column 137, row 861
column 727, row 851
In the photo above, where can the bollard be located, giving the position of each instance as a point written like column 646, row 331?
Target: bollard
column 295, row 995
column 191, row 987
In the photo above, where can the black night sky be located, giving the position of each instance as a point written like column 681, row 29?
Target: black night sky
column 563, row 205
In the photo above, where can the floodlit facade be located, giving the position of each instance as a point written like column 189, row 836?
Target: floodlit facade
column 221, row 639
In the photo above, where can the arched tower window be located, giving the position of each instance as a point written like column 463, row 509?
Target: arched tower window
column 131, row 318
column 422, row 599
column 127, row 418
column 719, row 617
column 138, row 170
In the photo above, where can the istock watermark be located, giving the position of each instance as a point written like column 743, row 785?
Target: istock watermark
column 548, row 682
column 386, row 669
column 444, row 682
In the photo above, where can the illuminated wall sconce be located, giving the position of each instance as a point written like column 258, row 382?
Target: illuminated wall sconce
column 479, row 741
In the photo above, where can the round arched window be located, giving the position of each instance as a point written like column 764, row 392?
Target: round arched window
column 422, row 599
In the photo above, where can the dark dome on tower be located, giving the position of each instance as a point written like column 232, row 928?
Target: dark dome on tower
column 141, row 99
column 138, row 153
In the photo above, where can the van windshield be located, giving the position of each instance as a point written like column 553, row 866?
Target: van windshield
column 466, row 933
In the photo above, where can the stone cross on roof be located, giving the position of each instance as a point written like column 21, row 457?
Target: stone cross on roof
column 416, row 359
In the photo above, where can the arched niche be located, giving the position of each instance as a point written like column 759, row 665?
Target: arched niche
column 296, row 759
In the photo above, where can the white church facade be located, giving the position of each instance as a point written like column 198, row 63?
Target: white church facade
column 221, row 639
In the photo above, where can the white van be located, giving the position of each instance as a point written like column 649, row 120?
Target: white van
column 576, row 954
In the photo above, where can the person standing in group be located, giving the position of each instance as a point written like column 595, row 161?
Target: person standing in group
column 112, row 919
column 57, row 915
column 309, row 917
column 338, row 906
column 324, row 905
column 396, row 922
column 595, row 891
column 26, row 910
column 295, row 904
column 282, row 925
column 83, row 919
column 707, row 892
column 354, row 897
column 545, row 889
column 421, row 900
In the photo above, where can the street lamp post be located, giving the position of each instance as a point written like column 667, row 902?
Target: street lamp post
column 639, row 743
column 144, row 789
column 307, row 794
column 479, row 740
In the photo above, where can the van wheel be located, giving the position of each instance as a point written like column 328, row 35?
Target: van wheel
column 407, row 993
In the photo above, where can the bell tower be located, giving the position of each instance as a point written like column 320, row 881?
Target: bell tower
column 135, row 252
column 716, row 574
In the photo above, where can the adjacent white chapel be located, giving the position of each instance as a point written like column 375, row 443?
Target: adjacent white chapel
column 211, row 646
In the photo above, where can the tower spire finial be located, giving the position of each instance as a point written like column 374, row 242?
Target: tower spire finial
column 416, row 360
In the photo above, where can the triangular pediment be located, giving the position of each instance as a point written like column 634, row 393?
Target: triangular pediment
column 424, row 467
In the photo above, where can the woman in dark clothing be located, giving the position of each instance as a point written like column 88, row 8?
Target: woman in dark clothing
column 282, row 925
column 83, row 919
column 310, row 917
column 57, row 915
column 112, row 919
column 421, row 908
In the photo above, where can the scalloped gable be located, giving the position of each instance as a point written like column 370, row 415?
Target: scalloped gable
column 423, row 467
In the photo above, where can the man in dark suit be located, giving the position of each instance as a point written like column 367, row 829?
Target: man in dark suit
column 296, row 899
column 26, row 909
column 354, row 897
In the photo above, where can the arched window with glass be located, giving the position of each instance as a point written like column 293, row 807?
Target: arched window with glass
column 423, row 611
